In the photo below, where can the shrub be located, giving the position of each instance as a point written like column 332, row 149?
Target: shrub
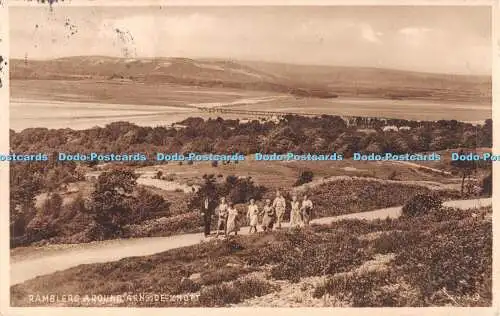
column 238, row 291
column 463, row 250
column 219, row 295
column 188, row 286
column 359, row 195
column 394, row 241
column 223, row 274
column 421, row 204
column 487, row 185
column 305, row 176
column 166, row 226
column 242, row 190
column 148, row 205
column 302, row 254
column 372, row 289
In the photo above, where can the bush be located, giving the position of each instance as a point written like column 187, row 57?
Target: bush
column 223, row 274
column 148, row 205
column 188, row 286
column 242, row 190
column 219, row 295
column 454, row 256
column 305, row 176
column 305, row 253
column 373, row 289
column 422, row 204
column 394, row 241
column 360, row 195
column 166, row 226
column 238, row 291
column 487, row 185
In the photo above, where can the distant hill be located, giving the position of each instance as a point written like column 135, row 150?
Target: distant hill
column 299, row 80
column 386, row 83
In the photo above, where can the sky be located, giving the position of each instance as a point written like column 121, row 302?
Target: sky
column 452, row 39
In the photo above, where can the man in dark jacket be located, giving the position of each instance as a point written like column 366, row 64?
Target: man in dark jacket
column 207, row 210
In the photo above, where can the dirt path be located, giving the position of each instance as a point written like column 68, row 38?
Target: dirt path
column 432, row 185
column 412, row 164
column 42, row 262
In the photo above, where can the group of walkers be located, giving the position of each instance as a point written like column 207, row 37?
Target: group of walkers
column 270, row 216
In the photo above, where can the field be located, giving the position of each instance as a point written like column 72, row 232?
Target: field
column 281, row 174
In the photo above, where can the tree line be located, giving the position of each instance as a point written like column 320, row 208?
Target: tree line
column 322, row 135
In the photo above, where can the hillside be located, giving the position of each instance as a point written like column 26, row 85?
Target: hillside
column 350, row 263
column 184, row 71
column 386, row 83
column 299, row 80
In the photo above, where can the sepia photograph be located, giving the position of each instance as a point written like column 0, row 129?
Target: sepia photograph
column 250, row 156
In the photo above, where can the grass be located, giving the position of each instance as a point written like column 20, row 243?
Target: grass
column 221, row 272
column 360, row 195
column 279, row 174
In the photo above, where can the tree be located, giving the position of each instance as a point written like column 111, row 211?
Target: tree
column 43, row 225
column 241, row 190
column 487, row 184
column 73, row 208
column 465, row 167
column 159, row 174
column 110, row 203
column 25, row 183
column 208, row 189
column 305, row 176
column 147, row 205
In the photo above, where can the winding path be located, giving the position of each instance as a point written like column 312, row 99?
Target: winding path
column 46, row 262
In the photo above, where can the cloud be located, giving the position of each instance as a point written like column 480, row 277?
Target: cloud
column 369, row 34
column 416, row 35
column 414, row 31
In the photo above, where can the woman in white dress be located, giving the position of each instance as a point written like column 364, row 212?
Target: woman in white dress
column 232, row 217
column 253, row 216
column 267, row 216
column 222, row 214
column 295, row 218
